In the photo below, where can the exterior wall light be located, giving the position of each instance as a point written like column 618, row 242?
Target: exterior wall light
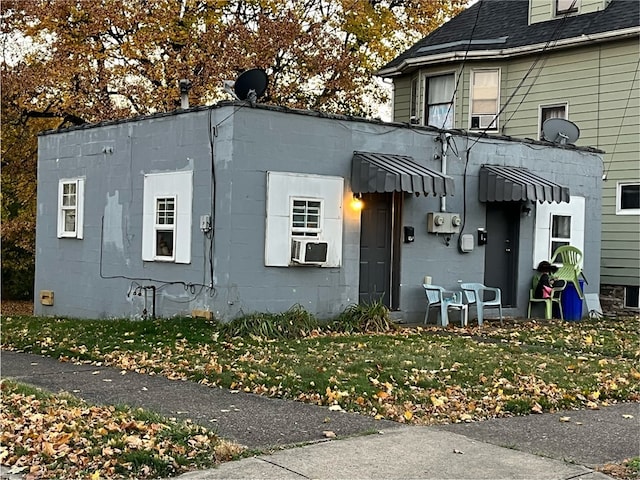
column 357, row 203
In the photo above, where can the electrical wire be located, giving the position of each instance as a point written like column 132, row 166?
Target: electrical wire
column 551, row 39
column 464, row 60
column 624, row 115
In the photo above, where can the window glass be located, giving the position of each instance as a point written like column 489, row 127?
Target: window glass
column 413, row 108
column 629, row 197
column 631, row 297
column 439, row 101
column 567, row 6
column 70, row 199
column 560, row 231
column 305, row 217
column 484, row 99
column 165, row 221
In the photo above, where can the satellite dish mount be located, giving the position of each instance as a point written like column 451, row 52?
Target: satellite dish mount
column 249, row 86
column 560, row 131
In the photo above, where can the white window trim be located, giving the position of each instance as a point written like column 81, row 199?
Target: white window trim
column 544, row 214
column 165, row 185
column 561, row 13
column 79, row 232
column 550, row 105
column 281, row 188
column 425, row 96
column 619, row 209
column 165, row 227
column 302, row 232
column 496, row 124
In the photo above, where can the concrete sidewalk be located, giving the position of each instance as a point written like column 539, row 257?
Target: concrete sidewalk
column 539, row 446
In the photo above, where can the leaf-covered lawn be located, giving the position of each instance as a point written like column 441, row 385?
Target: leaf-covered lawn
column 60, row 436
column 418, row 375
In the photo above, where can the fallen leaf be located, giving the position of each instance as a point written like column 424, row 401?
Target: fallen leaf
column 329, row 434
column 627, row 416
column 408, row 415
column 565, row 419
column 537, row 408
column 459, row 452
column 335, row 408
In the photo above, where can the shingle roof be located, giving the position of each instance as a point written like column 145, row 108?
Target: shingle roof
column 497, row 19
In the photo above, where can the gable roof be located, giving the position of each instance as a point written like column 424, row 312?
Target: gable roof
column 501, row 26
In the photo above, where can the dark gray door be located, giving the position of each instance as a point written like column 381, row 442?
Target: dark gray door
column 501, row 253
column 376, row 223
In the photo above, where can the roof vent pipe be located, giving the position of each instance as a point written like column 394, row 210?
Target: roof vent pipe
column 185, row 86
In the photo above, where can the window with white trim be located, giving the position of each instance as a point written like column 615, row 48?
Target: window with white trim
column 551, row 111
column 631, row 295
column 413, row 105
column 628, row 198
column 558, row 224
column 165, row 227
column 70, row 208
column 306, row 216
column 484, row 96
column 439, row 97
column 166, row 217
column 567, row 6
column 303, row 207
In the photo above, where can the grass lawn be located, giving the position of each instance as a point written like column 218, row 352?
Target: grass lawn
column 412, row 375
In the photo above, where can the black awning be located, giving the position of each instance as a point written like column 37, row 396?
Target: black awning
column 381, row 173
column 512, row 184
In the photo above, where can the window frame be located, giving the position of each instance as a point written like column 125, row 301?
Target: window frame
column 495, row 125
column 177, row 185
column 549, row 106
column 450, row 103
column 542, row 243
column 159, row 228
column 626, row 298
column 619, row 209
column 306, row 231
column 573, row 7
column 78, row 208
column 413, row 101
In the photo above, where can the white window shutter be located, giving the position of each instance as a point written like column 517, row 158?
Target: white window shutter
column 59, row 209
column 79, row 207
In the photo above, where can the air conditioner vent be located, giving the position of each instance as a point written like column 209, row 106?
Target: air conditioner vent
column 309, row 252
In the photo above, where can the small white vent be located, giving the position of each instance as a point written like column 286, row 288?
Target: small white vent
column 309, row 252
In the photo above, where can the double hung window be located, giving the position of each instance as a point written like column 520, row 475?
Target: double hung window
column 485, row 93
column 70, row 208
column 567, row 6
column 440, row 101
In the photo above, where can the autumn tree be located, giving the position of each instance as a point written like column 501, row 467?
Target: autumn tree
column 67, row 62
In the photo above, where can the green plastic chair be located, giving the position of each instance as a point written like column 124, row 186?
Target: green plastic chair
column 571, row 260
column 548, row 302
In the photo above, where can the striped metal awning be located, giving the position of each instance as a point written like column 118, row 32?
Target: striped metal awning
column 513, row 184
column 382, row 173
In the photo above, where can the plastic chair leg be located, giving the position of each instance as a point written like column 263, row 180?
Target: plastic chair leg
column 444, row 317
column 480, row 315
column 548, row 310
column 529, row 310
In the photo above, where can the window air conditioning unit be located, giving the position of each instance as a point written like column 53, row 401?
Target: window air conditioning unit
column 309, row 252
column 483, row 121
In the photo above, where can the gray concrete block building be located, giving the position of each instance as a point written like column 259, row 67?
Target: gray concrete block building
column 232, row 209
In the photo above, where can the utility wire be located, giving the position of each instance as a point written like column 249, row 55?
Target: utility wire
column 552, row 39
column 464, row 60
column 624, row 115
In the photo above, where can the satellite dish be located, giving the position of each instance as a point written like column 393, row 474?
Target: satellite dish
column 251, row 85
column 560, row 130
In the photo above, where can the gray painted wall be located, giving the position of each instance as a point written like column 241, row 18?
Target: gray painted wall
column 95, row 277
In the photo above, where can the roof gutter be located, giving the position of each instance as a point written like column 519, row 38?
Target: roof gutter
column 459, row 55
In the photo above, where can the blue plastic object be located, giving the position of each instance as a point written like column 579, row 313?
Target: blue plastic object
column 572, row 303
